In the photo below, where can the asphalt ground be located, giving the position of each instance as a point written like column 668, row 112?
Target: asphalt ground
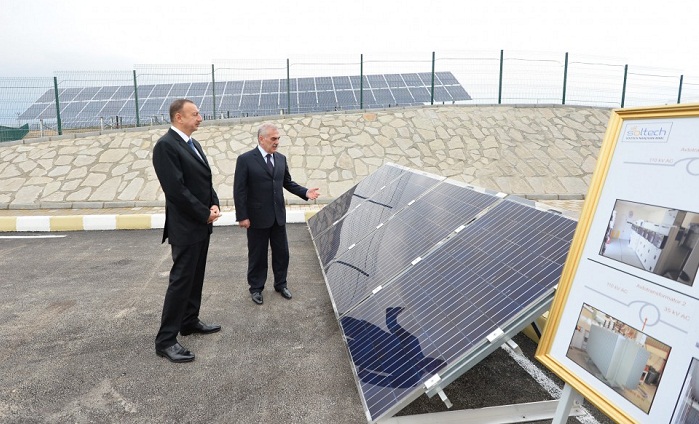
column 79, row 313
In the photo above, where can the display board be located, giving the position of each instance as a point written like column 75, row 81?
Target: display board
column 623, row 330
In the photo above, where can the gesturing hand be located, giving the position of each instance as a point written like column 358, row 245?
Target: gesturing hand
column 313, row 193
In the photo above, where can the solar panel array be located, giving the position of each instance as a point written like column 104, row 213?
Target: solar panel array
column 419, row 292
column 81, row 105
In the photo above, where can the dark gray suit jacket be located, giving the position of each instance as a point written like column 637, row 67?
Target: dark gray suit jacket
column 189, row 191
column 258, row 194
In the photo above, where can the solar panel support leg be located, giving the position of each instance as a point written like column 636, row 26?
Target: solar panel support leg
column 514, row 346
column 568, row 400
column 444, row 398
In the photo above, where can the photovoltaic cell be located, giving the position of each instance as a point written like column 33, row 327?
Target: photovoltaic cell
column 439, row 311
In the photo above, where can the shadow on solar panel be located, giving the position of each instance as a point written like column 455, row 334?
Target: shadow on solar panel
column 437, row 285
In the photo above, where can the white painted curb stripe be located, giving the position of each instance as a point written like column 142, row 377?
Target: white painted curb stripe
column 109, row 222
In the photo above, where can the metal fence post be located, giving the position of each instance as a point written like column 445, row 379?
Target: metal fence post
column 500, row 82
column 213, row 88
column 58, row 106
column 288, row 87
column 679, row 92
column 432, row 85
column 565, row 78
column 623, row 89
column 135, row 96
column 361, row 81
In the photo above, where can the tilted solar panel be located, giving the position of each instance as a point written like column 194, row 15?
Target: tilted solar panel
column 366, row 188
column 357, row 224
column 439, row 311
column 422, row 292
column 308, row 94
column 404, row 237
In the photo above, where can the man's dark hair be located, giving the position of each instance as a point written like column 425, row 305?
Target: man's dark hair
column 177, row 106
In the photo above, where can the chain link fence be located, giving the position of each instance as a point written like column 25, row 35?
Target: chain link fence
column 81, row 101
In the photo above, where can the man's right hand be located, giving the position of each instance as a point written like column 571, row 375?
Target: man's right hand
column 244, row 223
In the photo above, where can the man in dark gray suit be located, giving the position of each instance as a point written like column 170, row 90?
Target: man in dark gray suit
column 191, row 207
column 260, row 176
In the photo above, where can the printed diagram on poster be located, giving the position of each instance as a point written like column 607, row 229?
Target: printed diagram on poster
column 623, row 330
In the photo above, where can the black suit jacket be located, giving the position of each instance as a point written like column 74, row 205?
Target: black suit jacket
column 258, row 194
column 189, row 191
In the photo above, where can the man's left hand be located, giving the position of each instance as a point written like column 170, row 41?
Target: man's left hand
column 313, row 193
column 215, row 213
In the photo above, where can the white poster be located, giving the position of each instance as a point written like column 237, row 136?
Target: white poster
column 624, row 328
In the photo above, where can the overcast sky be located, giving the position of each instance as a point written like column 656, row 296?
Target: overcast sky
column 38, row 37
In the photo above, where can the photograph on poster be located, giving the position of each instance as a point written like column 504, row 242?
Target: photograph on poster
column 687, row 409
column 627, row 360
column 660, row 240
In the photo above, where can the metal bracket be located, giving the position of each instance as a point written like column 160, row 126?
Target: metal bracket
column 495, row 335
column 431, row 383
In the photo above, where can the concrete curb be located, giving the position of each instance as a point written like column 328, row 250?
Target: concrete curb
column 113, row 222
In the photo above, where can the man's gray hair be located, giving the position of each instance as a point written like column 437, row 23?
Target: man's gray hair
column 264, row 129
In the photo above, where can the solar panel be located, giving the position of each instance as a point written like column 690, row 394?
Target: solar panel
column 306, row 84
column 377, row 81
column 249, row 102
column 342, row 83
column 438, row 312
column 412, row 80
column 402, row 96
column 376, row 209
column 441, row 94
column 324, row 84
column 420, row 94
column 309, row 94
column 270, row 86
column 252, row 87
column 346, row 98
column 198, row 89
column 350, row 199
column 159, row 91
column 421, row 293
column 383, row 97
column 394, row 80
column 235, row 87
column 405, row 236
column 106, row 93
column 69, row 94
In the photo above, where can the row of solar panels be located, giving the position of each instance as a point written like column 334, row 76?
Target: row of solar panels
column 250, row 97
column 421, row 270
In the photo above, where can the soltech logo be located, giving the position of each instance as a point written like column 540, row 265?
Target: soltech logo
column 657, row 132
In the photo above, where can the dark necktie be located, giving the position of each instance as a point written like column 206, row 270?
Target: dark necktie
column 190, row 143
column 269, row 163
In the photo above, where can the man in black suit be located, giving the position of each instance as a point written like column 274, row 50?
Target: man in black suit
column 260, row 175
column 191, row 207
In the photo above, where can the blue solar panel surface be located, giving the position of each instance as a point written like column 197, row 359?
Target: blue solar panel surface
column 366, row 188
column 415, row 297
column 413, row 231
column 373, row 211
column 83, row 105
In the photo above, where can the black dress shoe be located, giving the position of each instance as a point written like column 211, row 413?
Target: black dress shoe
column 286, row 294
column 200, row 328
column 257, row 298
column 175, row 353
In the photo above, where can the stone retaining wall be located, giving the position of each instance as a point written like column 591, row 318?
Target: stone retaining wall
column 532, row 151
